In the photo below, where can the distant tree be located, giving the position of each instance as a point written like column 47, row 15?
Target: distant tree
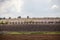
column 4, row 18
column 57, row 17
column 0, row 18
column 6, row 22
column 1, row 22
column 27, row 16
column 19, row 16
column 9, row 17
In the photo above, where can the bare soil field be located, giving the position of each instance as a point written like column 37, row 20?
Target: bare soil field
column 30, row 37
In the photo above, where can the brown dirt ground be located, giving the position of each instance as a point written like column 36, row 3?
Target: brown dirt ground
column 30, row 37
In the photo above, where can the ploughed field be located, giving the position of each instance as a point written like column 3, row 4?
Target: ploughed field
column 30, row 37
column 30, row 27
column 13, row 32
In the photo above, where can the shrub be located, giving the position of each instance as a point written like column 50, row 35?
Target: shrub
column 3, row 22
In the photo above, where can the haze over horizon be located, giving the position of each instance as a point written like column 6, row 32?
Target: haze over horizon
column 32, row 8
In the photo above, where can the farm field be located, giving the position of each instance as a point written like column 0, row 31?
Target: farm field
column 30, row 37
column 30, row 32
column 36, row 32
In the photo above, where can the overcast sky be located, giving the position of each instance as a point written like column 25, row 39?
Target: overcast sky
column 32, row 8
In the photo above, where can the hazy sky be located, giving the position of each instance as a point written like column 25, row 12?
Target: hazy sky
column 32, row 8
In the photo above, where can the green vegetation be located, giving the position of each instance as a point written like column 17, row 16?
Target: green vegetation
column 32, row 33
column 1, row 22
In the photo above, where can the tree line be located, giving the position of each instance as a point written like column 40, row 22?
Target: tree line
column 10, row 17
